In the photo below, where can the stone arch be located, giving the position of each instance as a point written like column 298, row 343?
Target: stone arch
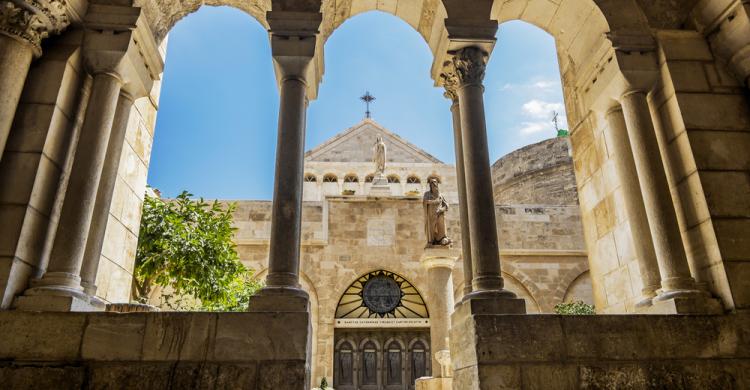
column 391, row 340
column 416, row 305
column 368, row 340
column 523, row 290
column 346, row 341
column 163, row 15
column 578, row 282
column 425, row 17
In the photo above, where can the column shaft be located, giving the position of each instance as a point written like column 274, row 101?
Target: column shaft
column 15, row 59
column 286, row 218
column 63, row 271
column 104, row 195
column 485, row 254
column 631, row 190
column 441, row 299
column 462, row 205
column 662, row 219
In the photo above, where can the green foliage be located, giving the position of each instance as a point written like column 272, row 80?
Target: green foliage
column 323, row 384
column 574, row 308
column 186, row 247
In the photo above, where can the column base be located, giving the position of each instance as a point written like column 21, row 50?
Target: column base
column 429, row 383
column 280, row 299
column 690, row 303
column 57, row 303
column 493, row 302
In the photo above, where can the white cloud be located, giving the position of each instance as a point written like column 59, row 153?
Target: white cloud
column 528, row 128
column 540, row 109
column 544, row 85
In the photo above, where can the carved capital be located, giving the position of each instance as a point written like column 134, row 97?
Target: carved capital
column 33, row 20
column 449, row 81
column 469, row 64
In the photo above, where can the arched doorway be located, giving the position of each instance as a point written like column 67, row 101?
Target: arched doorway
column 381, row 334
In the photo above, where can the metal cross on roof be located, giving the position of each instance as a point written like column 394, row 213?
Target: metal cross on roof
column 367, row 98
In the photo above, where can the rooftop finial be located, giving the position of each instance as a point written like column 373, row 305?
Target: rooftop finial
column 367, row 98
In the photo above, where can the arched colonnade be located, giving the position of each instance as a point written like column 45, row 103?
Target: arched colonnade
column 615, row 62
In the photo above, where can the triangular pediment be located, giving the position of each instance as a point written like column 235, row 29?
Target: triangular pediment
column 355, row 144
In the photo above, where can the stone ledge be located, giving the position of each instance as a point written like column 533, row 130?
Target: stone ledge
column 632, row 351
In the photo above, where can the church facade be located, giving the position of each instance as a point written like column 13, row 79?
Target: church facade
column 370, row 295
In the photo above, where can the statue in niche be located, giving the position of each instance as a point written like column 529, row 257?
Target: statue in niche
column 435, row 207
column 379, row 156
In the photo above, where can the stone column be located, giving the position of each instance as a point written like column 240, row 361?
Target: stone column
column 487, row 280
column 61, row 284
column 286, row 218
column 678, row 293
column 450, row 83
column 21, row 32
column 439, row 262
column 95, row 240
column 631, row 190
column 116, row 52
column 662, row 219
column 293, row 49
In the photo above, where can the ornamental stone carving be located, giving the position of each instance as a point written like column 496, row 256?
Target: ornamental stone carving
column 470, row 63
column 449, row 80
column 33, row 20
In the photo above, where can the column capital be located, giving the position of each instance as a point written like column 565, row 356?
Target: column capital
column 293, row 42
column 637, row 60
column 439, row 257
column 449, row 81
column 33, row 20
column 469, row 63
column 118, row 41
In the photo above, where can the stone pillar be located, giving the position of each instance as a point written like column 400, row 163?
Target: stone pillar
column 293, row 49
column 439, row 262
column 631, row 190
column 60, row 287
column 104, row 194
column 678, row 293
column 487, row 281
column 450, row 83
column 21, row 32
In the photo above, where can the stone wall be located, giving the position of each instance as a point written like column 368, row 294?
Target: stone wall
column 346, row 237
column 600, row 352
column 153, row 350
column 541, row 173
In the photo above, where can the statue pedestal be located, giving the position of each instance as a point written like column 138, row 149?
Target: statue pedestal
column 428, row 383
column 380, row 186
column 439, row 261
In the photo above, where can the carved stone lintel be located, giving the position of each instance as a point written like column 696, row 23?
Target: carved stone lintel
column 469, row 63
column 449, row 80
column 32, row 21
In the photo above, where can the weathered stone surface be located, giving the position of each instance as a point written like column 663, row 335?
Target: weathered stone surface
column 261, row 336
column 40, row 336
column 42, row 378
column 178, row 336
column 114, row 337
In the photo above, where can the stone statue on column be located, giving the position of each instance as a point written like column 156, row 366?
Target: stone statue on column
column 379, row 156
column 435, row 207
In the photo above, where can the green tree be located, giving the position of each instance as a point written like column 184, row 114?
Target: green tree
column 574, row 308
column 186, row 246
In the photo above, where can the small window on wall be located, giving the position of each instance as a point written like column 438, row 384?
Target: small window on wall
column 393, row 179
column 310, row 178
column 369, row 178
column 436, row 178
column 412, row 180
column 351, row 179
column 330, row 178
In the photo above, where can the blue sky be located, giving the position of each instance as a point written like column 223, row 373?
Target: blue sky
column 216, row 127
